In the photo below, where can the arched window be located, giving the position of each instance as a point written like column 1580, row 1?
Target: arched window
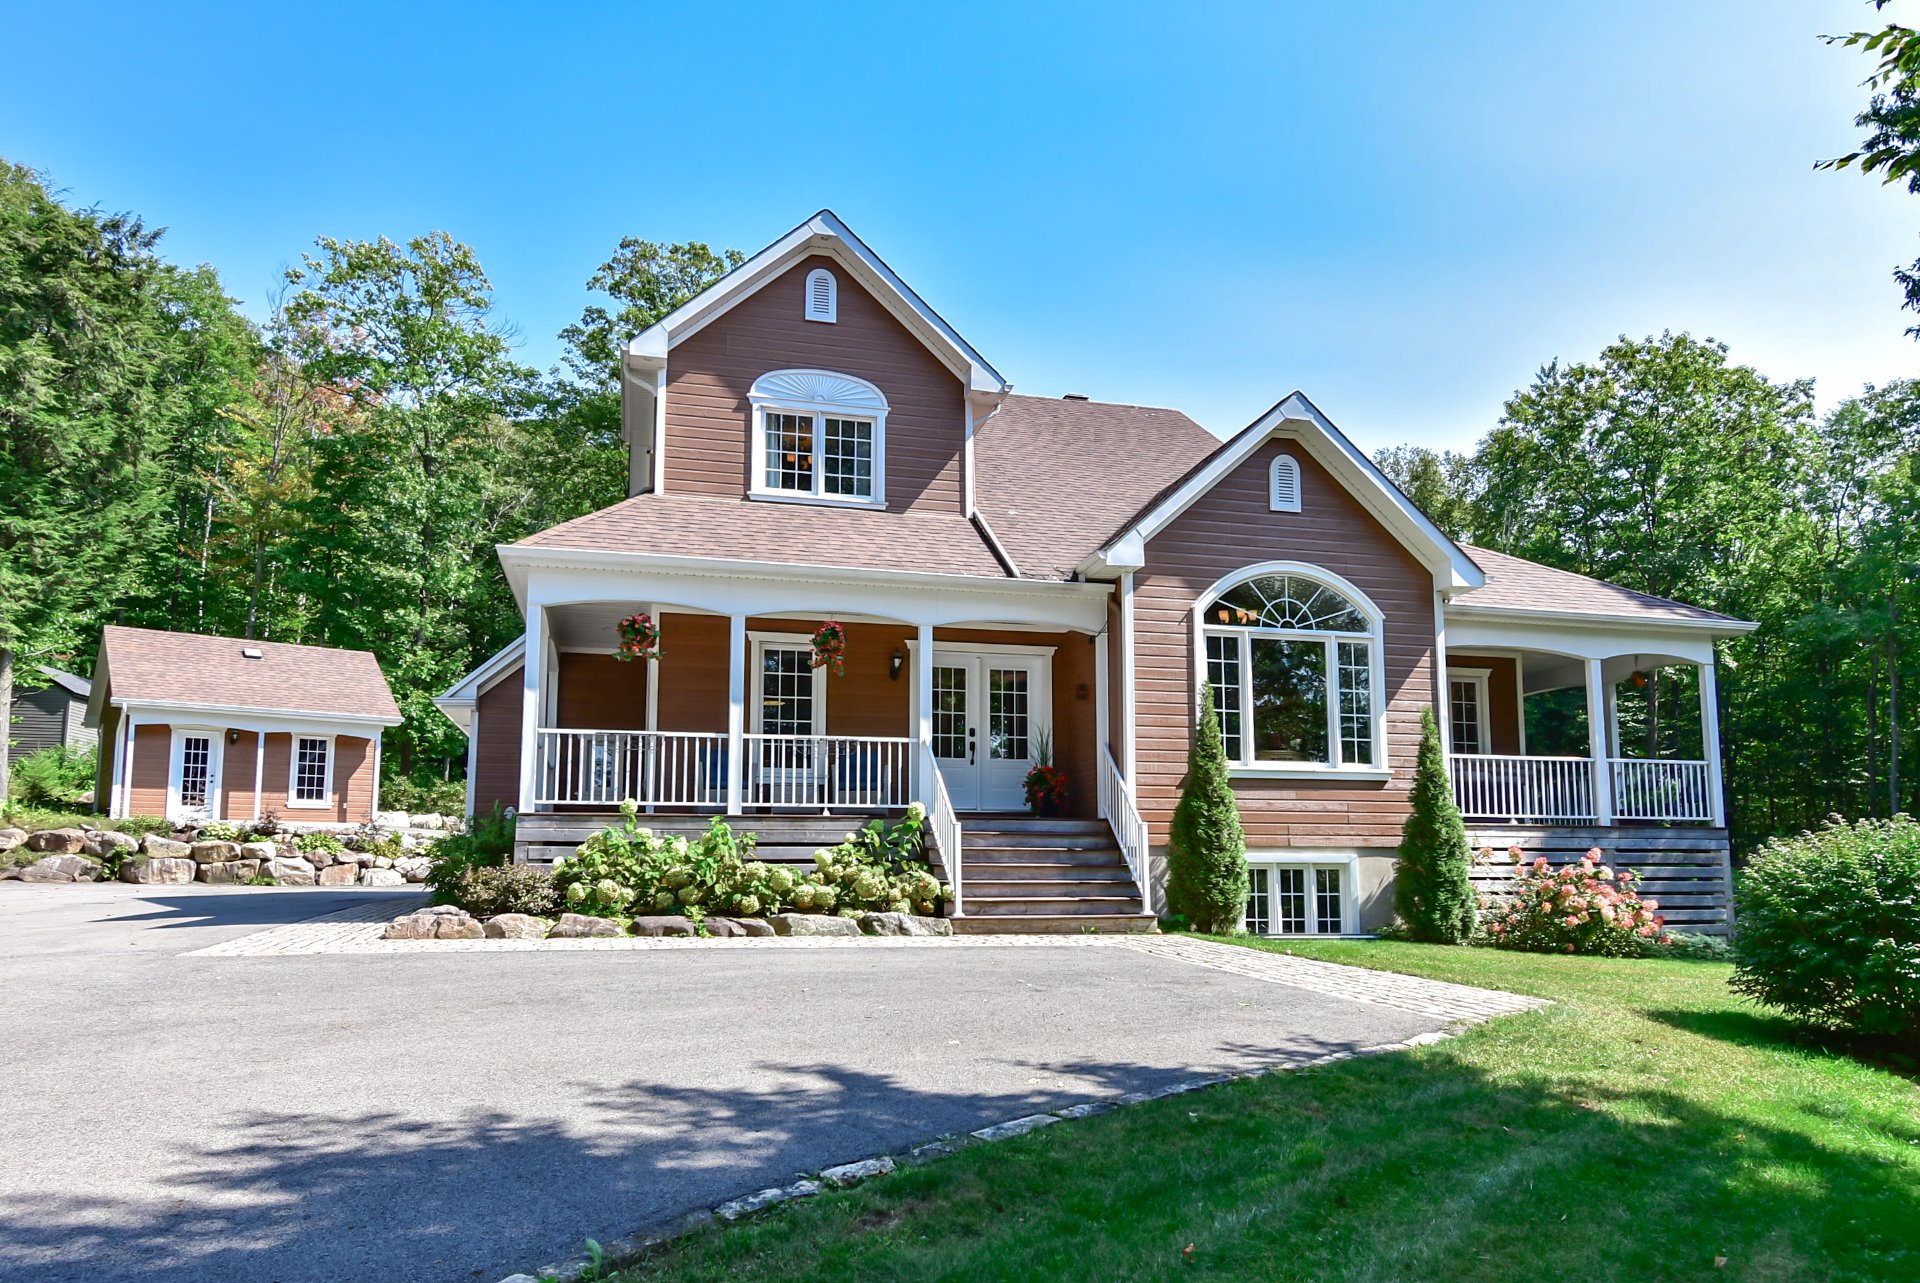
column 822, row 296
column 1291, row 654
column 818, row 435
column 1284, row 484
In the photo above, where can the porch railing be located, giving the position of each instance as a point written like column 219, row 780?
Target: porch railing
column 605, row 768
column 1117, row 806
column 1541, row 790
column 821, row 772
column 1658, row 788
column 947, row 834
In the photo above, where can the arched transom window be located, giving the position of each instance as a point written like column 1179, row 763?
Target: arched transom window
column 1291, row 656
column 819, row 435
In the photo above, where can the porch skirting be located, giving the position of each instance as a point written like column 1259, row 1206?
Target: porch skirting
column 1688, row 870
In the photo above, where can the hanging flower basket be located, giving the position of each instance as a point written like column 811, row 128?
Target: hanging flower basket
column 830, row 647
column 639, row 638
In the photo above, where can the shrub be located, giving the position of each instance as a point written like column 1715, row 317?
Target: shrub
column 323, row 842
column 1206, row 848
column 487, row 843
column 1584, row 907
column 1689, row 947
column 484, row 890
column 1828, row 927
column 220, row 831
column 424, row 797
column 34, row 819
column 60, row 775
column 1431, row 888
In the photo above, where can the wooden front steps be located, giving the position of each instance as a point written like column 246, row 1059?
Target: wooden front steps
column 1047, row 876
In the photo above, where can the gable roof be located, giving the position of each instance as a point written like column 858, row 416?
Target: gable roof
column 1056, row 478
column 823, row 233
column 1296, row 417
column 78, row 687
column 1521, row 587
column 191, row 670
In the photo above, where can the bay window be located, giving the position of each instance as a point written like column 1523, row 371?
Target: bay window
column 1292, row 661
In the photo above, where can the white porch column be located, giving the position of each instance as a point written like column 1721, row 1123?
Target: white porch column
column 1442, row 689
column 260, row 771
column 1129, row 725
column 123, row 790
column 736, row 710
column 532, row 667
column 923, row 705
column 1102, row 692
column 1710, row 740
column 1597, row 741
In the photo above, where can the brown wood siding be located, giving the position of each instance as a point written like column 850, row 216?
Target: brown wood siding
column 693, row 673
column 1503, row 697
column 152, row 762
column 1231, row 528
column 708, row 416
column 353, row 780
column 496, row 753
column 106, row 763
column 236, row 778
column 599, row 692
column 274, row 773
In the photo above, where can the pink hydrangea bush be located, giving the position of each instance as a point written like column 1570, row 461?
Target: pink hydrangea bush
column 1584, row 907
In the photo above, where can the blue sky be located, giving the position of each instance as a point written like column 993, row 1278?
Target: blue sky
column 1404, row 215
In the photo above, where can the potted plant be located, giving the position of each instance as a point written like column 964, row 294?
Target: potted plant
column 639, row 638
column 1046, row 783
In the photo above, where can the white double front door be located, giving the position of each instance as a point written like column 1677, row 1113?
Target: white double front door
column 991, row 707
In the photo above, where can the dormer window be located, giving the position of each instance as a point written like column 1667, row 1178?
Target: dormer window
column 1284, row 484
column 820, row 437
column 822, row 296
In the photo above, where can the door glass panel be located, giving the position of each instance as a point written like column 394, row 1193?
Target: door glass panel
column 786, row 691
column 1007, row 714
column 1259, row 902
column 1289, row 700
column 1326, row 896
column 196, row 771
column 1463, row 699
column 1292, row 884
column 950, row 712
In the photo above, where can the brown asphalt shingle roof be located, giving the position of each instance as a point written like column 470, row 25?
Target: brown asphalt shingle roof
column 147, row 664
column 1518, row 584
column 1057, row 479
column 789, row 534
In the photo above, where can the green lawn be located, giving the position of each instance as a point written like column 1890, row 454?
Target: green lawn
column 1641, row 1128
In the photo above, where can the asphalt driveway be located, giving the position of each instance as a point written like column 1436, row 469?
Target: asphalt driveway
column 457, row 1117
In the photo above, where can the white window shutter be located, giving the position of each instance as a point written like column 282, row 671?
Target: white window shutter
column 821, row 295
column 1285, row 495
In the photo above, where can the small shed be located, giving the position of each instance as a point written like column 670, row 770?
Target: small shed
column 198, row 728
column 50, row 716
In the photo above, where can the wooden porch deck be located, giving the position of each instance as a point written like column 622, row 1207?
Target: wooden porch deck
column 1688, row 870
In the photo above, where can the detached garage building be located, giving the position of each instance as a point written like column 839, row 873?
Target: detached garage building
column 200, row 728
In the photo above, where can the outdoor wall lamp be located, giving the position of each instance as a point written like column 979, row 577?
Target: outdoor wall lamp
column 896, row 662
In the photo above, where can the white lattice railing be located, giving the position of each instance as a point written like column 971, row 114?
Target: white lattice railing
column 821, row 772
column 1117, row 807
column 1542, row 790
column 1655, row 788
column 606, row 768
column 945, row 824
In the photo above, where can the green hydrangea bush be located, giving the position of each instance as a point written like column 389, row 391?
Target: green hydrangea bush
column 628, row 870
column 1827, row 927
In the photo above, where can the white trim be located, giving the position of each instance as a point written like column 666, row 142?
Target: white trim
column 216, row 737
column 1296, row 419
column 826, row 235
column 1483, row 702
column 259, row 771
column 276, row 717
column 1439, row 669
column 1348, row 862
column 1710, row 741
column 819, row 305
column 1597, row 743
column 532, row 650
column 736, row 711
column 1129, row 703
column 819, row 395
column 1520, row 698
column 326, row 799
column 126, row 769
column 991, row 648
column 756, row 711
column 1585, row 619
column 1283, row 484
column 1375, row 638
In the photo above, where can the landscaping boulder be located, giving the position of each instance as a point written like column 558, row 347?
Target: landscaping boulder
column 440, row 922
column 216, row 852
column 60, row 868
column 10, row 838
column 290, row 872
column 58, row 841
column 258, row 851
column 754, row 926
column 324, row 859
column 390, row 819
column 338, row 875
column 904, row 924
column 666, row 925
column 515, row 926
column 381, row 878
column 158, row 870
column 414, row 868
column 110, row 842
column 580, row 926
column 813, row 924
column 165, row 848
column 724, row 928
column 224, row 874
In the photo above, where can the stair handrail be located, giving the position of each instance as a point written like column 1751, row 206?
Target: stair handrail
column 1118, row 809
column 945, row 824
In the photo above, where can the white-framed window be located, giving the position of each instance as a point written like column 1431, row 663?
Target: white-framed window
column 310, row 772
column 1294, row 658
column 1308, row 896
column 1467, row 722
column 818, row 437
column 823, row 296
column 1283, row 484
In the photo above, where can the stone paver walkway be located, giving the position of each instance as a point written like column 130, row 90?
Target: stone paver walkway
column 357, row 931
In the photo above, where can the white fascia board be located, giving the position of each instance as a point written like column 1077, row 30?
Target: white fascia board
column 1630, row 625
column 823, row 233
column 1299, row 419
column 476, row 683
column 244, row 718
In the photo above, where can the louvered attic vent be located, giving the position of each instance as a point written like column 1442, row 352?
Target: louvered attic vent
column 1285, row 495
column 821, row 291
